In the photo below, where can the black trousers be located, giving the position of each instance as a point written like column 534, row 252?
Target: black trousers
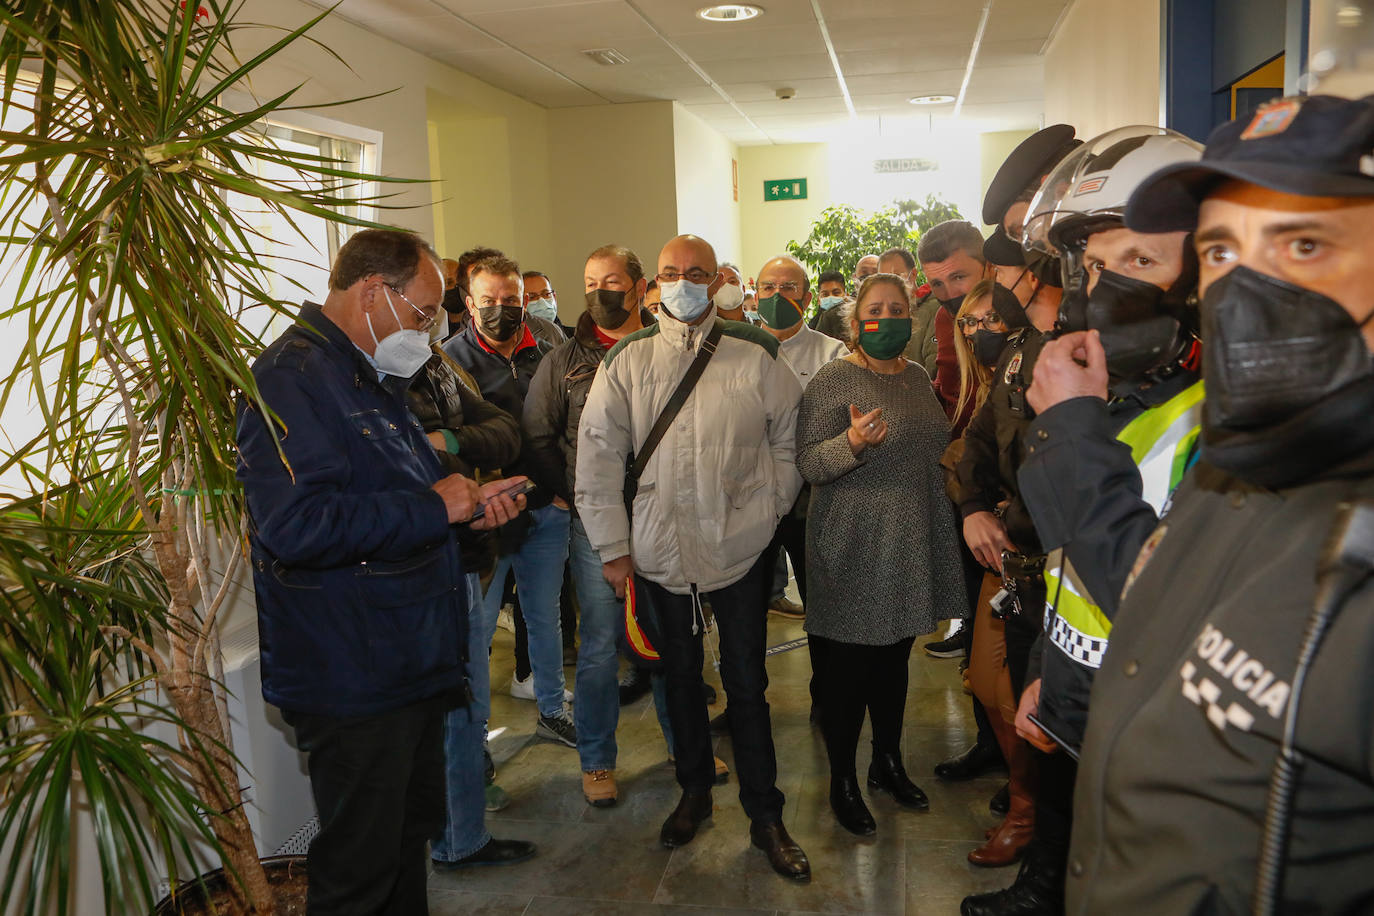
column 790, row 536
column 741, row 621
column 851, row 679
column 378, row 785
column 1054, row 810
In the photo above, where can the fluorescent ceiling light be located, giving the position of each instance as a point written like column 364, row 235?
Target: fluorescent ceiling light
column 606, row 57
column 729, row 12
column 930, row 99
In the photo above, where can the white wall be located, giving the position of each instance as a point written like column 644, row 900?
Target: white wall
column 1102, row 68
column 706, row 204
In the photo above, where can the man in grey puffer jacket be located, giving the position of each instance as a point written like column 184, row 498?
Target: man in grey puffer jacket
column 708, row 502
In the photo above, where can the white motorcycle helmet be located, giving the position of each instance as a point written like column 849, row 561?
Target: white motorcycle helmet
column 1088, row 190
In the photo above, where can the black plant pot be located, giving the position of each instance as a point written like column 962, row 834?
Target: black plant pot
column 203, row 895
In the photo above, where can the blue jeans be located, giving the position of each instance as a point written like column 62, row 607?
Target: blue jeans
column 597, row 710
column 465, row 830
column 538, row 566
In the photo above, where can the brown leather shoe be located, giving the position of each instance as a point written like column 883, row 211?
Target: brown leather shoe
column 1007, row 843
column 784, row 854
column 681, row 826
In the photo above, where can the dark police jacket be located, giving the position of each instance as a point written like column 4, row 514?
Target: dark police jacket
column 994, row 446
column 1188, row 708
column 361, row 600
column 1083, row 488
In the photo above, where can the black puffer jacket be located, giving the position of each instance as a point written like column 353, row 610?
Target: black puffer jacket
column 554, row 405
column 488, row 437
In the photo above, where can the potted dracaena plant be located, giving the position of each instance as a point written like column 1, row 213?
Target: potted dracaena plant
column 117, row 551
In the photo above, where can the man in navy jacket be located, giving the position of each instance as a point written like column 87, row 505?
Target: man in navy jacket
column 362, row 604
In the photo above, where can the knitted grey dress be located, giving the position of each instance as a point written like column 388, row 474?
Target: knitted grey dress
column 882, row 562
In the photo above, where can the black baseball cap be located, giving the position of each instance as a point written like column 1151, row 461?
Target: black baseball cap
column 1314, row 146
column 1033, row 159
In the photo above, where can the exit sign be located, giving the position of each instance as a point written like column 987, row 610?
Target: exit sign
column 785, row 189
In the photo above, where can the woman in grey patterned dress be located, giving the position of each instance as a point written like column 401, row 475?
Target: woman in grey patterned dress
column 882, row 561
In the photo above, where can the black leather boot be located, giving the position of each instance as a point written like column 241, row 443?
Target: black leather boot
column 1037, row 891
column 887, row 773
column 681, row 826
column 848, row 804
column 971, row 764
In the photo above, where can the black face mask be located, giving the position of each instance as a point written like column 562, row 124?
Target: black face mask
column 500, row 322
column 607, row 307
column 1139, row 323
column 1009, row 308
column 952, row 305
column 456, row 299
column 988, row 345
column 1045, row 268
column 1290, row 380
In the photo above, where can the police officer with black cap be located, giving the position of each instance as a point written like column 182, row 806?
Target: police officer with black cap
column 1129, row 319
column 1227, row 764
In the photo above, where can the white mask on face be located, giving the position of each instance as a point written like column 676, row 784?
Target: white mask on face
column 686, row 301
column 402, row 352
column 544, row 308
column 729, row 297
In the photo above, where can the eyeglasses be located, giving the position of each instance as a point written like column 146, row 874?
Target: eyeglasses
column 426, row 321
column 546, row 294
column 790, row 288
column 695, row 275
column 992, row 321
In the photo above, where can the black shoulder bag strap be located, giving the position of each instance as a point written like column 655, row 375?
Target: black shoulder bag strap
column 670, row 411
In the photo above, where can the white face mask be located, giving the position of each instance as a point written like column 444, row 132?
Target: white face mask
column 402, row 352
column 544, row 308
column 686, row 301
column 729, row 297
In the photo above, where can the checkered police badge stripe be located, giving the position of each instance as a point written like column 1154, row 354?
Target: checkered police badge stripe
column 1205, row 693
column 1082, row 648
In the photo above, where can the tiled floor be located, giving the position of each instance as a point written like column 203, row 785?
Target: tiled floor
column 608, row 861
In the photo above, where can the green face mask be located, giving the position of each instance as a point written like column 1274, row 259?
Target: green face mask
column 884, row 338
column 779, row 312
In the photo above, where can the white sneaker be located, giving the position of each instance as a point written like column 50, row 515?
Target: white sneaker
column 524, row 690
column 505, row 619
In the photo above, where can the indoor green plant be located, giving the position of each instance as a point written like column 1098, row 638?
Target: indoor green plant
column 133, row 269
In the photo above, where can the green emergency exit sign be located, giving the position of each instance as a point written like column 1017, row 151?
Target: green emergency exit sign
column 785, row 189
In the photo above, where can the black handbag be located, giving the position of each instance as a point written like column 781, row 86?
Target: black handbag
column 640, row 636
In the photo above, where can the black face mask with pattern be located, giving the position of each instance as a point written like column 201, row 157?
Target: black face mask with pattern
column 1290, row 380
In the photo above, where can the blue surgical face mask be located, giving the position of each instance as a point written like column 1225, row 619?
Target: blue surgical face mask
column 752, row 317
column 544, row 308
column 686, row 301
column 829, row 302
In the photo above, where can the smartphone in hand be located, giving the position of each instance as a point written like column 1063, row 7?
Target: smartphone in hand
column 519, row 489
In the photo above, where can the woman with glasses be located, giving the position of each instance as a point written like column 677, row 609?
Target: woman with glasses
column 883, row 565
column 981, row 338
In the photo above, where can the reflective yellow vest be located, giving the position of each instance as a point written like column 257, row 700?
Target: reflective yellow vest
column 1161, row 441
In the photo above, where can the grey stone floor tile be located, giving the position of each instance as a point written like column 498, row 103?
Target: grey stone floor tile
column 561, row 906
column 937, row 871
column 467, row 903
column 597, row 861
column 573, row 860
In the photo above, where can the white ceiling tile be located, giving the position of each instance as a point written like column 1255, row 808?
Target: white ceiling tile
column 587, row 25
